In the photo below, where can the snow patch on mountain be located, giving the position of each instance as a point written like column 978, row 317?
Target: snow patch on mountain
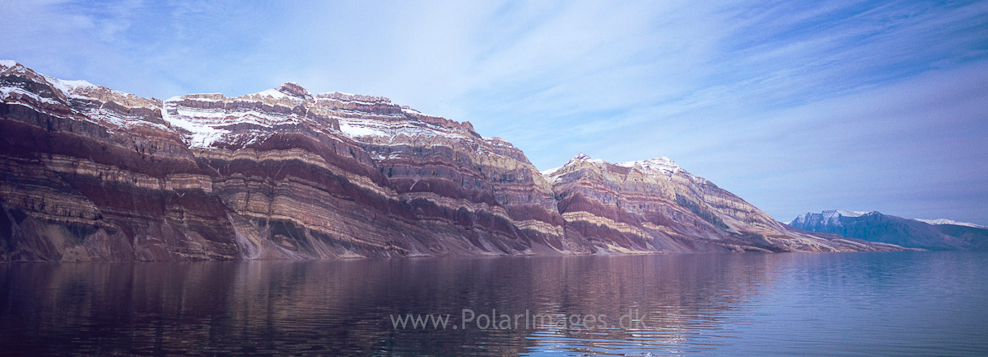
column 847, row 213
column 69, row 87
column 549, row 172
column 201, row 135
column 942, row 221
column 273, row 93
column 349, row 97
column 16, row 92
column 586, row 158
column 662, row 165
column 353, row 130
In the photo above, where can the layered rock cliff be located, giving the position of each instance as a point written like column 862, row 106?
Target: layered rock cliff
column 90, row 173
column 655, row 205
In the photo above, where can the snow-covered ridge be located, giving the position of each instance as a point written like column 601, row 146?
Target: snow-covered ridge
column 832, row 217
column 273, row 94
column 382, row 129
column 84, row 100
column 208, row 116
column 942, row 221
column 828, row 217
column 845, row 213
column 17, row 92
column 67, row 86
column 553, row 174
column 203, row 119
column 584, row 157
column 661, row 164
column 498, row 142
column 205, row 122
column 348, row 97
column 80, row 89
column 549, row 172
column 201, row 135
column 71, row 89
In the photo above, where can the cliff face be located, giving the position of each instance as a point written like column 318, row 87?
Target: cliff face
column 89, row 173
column 655, row 205
column 878, row 227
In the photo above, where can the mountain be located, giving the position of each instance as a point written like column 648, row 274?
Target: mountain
column 877, row 227
column 90, row 173
column 656, row 205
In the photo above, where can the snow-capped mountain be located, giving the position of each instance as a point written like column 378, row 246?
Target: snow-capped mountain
column 941, row 234
column 825, row 217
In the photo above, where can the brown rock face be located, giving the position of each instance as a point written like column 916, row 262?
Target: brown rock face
column 656, row 206
column 89, row 173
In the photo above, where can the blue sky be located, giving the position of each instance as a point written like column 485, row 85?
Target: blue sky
column 794, row 106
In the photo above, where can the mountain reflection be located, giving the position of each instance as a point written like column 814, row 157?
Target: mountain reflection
column 334, row 307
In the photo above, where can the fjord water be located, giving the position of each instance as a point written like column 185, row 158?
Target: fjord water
column 908, row 303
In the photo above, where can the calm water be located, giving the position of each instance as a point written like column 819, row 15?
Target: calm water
column 929, row 303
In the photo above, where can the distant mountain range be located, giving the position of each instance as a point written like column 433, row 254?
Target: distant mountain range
column 91, row 173
column 938, row 234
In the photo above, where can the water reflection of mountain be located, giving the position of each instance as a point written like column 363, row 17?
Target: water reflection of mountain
column 344, row 306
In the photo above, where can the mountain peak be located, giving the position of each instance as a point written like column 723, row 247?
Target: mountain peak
column 291, row 91
column 845, row 213
column 581, row 157
column 827, row 216
column 295, row 90
column 940, row 234
column 660, row 164
column 576, row 161
column 660, row 160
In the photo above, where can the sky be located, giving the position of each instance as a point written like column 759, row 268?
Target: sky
column 793, row 106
